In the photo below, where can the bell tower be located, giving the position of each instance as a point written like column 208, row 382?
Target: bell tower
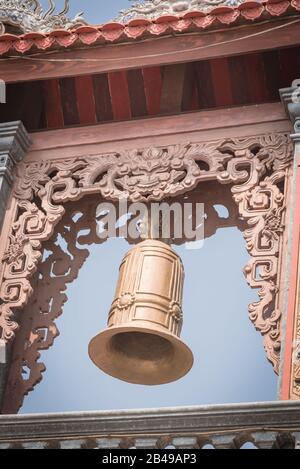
column 172, row 101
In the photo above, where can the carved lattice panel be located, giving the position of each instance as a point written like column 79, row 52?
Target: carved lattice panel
column 254, row 168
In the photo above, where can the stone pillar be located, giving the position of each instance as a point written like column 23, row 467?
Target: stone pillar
column 14, row 144
column 290, row 370
column 3, row 369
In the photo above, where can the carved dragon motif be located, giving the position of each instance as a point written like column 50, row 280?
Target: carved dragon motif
column 29, row 16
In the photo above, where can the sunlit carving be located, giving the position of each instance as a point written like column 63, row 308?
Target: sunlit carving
column 29, row 16
column 152, row 9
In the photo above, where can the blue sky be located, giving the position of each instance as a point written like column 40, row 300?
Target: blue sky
column 95, row 11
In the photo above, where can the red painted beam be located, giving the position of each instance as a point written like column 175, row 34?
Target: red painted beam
column 256, row 82
column 221, row 80
column 119, row 93
column 153, row 88
column 85, row 100
column 53, row 107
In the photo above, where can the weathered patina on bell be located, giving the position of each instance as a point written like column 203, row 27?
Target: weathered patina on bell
column 141, row 344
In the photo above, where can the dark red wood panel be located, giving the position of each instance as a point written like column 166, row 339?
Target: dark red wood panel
column 289, row 66
column 272, row 73
column 43, row 121
column 239, row 84
column 31, row 105
column 136, row 90
column 53, row 106
column 221, row 81
column 256, row 80
column 119, row 93
column 69, row 101
column 11, row 110
column 189, row 97
column 102, row 96
column 205, row 85
column 153, row 88
column 195, row 98
column 25, row 102
column 85, row 100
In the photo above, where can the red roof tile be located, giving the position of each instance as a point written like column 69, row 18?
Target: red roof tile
column 142, row 28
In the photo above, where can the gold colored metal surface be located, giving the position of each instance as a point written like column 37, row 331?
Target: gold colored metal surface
column 141, row 344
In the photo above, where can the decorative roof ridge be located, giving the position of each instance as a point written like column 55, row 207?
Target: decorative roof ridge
column 154, row 9
column 29, row 16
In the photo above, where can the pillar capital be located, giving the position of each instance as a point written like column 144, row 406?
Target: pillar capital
column 14, row 140
column 290, row 98
column 14, row 143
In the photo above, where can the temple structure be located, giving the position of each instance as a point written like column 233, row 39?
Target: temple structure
column 173, row 98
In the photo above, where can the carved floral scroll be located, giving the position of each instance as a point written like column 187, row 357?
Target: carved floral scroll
column 255, row 168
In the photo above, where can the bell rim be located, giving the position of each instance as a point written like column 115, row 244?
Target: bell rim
column 179, row 346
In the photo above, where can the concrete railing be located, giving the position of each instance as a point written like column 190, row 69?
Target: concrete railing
column 271, row 425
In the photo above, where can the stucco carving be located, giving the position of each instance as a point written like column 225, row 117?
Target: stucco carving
column 152, row 9
column 254, row 167
column 29, row 16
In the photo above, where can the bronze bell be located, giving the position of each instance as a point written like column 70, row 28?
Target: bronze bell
column 141, row 344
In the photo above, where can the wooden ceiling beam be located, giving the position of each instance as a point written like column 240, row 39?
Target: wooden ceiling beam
column 85, row 100
column 193, row 126
column 119, row 92
column 153, row 88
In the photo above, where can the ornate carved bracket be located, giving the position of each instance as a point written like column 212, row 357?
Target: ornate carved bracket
column 255, row 168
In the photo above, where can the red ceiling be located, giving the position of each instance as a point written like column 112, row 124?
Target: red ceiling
column 144, row 92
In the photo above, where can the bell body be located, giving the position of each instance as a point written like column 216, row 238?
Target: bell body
column 141, row 344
